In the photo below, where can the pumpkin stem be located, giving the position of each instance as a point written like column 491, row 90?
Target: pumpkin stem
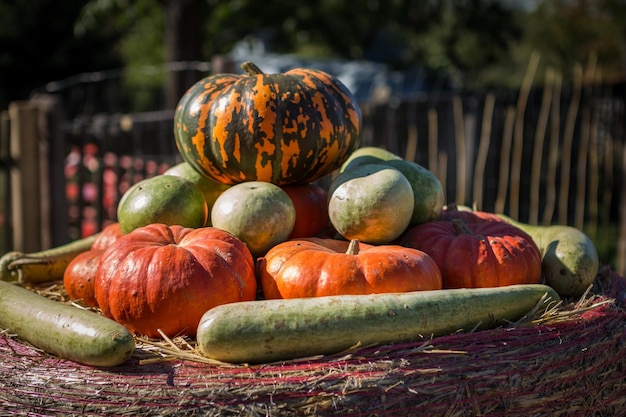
column 251, row 68
column 461, row 227
column 353, row 247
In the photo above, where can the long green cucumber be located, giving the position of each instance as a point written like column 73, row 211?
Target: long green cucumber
column 46, row 265
column 63, row 330
column 271, row 330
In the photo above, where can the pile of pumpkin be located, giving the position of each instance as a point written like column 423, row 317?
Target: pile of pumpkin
column 244, row 220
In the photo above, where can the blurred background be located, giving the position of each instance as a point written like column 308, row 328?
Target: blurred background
column 517, row 106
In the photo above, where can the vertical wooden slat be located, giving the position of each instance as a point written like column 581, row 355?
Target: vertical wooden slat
column 433, row 135
column 505, row 158
column 621, row 246
column 26, row 201
column 410, row 152
column 608, row 164
column 553, row 152
column 540, row 134
column 411, row 143
column 566, row 150
column 53, row 169
column 518, row 138
column 442, row 163
column 461, row 152
column 594, row 176
column 583, row 147
column 6, row 229
column 581, row 168
column 483, row 151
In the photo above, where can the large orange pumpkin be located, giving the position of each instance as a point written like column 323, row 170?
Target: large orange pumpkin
column 478, row 254
column 167, row 277
column 285, row 128
column 317, row 267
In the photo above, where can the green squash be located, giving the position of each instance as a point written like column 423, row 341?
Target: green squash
column 372, row 203
column 284, row 129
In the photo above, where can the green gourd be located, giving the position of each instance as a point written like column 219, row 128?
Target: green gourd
column 273, row 330
column 569, row 258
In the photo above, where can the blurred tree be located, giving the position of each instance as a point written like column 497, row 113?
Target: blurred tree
column 155, row 32
column 473, row 38
column 37, row 45
column 567, row 32
column 328, row 28
column 465, row 38
column 480, row 42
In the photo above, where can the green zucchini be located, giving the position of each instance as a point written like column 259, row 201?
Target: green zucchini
column 272, row 330
column 63, row 330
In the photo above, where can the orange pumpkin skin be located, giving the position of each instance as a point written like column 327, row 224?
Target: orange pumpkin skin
column 79, row 277
column 318, row 267
column 311, row 203
column 478, row 255
column 167, row 277
column 107, row 236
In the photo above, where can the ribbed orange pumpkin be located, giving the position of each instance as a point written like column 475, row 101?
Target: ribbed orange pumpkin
column 167, row 277
column 317, row 267
column 280, row 128
column 480, row 254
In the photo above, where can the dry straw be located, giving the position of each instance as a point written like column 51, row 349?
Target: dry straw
column 570, row 361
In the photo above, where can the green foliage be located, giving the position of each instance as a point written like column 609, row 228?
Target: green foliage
column 339, row 28
column 37, row 45
column 567, row 33
column 472, row 37
column 481, row 43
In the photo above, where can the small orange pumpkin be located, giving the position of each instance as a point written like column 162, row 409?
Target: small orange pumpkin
column 80, row 273
column 160, row 277
column 317, row 267
column 79, row 276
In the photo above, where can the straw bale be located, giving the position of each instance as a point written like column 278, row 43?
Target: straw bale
column 568, row 362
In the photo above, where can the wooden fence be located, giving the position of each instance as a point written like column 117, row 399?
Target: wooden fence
column 550, row 155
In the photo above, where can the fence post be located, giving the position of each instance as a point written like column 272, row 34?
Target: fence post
column 52, row 165
column 25, row 177
column 621, row 245
column 6, row 232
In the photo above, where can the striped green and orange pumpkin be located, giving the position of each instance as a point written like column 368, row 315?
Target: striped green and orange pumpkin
column 288, row 128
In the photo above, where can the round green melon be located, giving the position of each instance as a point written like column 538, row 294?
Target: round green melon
column 166, row 199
